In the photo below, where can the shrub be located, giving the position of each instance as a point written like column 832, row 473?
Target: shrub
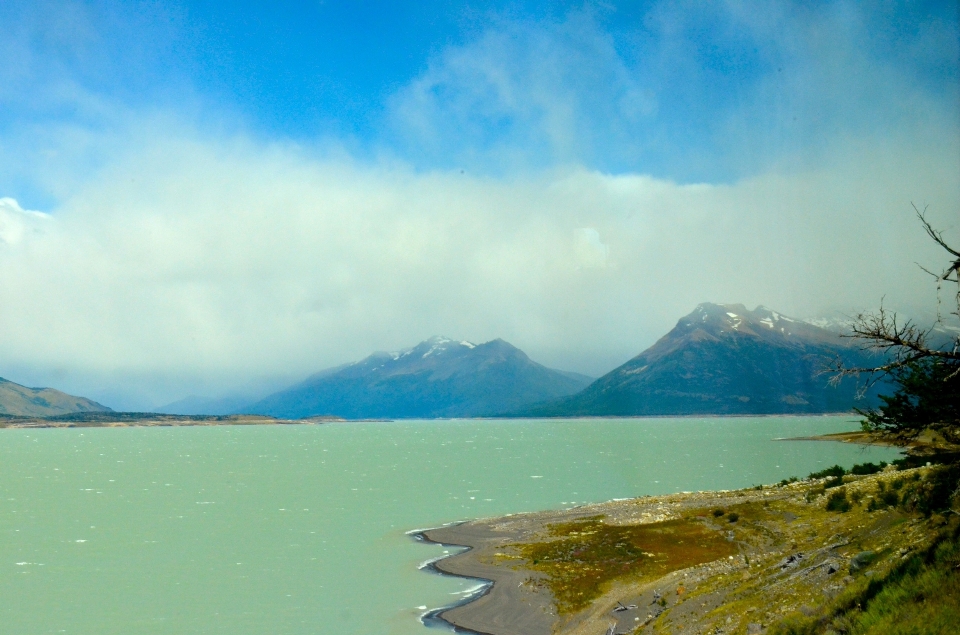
column 837, row 501
column 812, row 493
column 717, row 513
column 934, row 493
column 867, row 468
column 888, row 497
column 833, row 481
column 835, row 471
column 733, row 517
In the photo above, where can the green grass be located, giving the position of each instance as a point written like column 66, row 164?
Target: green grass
column 920, row 596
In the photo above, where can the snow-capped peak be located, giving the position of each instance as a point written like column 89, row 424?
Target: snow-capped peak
column 441, row 344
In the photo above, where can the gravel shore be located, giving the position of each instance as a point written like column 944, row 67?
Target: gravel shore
column 791, row 554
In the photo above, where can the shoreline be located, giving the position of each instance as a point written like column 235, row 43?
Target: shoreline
column 858, row 437
column 150, row 420
column 925, row 443
column 790, row 552
column 511, row 605
column 433, row 618
column 99, row 419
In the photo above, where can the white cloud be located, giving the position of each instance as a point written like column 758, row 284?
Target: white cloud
column 180, row 263
column 591, row 251
column 530, row 93
column 194, row 265
column 16, row 223
column 683, row 90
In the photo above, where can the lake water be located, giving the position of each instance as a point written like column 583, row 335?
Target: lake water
column 275, row 530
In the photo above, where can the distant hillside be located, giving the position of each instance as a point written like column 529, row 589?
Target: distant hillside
column 437, row 378
column 21, row 401
column 722, row 359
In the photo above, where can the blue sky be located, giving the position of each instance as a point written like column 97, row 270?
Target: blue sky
column 479, row 148
column 688, row 92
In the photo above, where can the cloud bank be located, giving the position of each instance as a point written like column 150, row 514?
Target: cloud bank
column 204, row 264
column 572, row 183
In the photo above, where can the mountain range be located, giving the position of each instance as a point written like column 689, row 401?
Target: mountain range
column 439, row 377
column 723, row 359
column 719, row 359
column 20, row 401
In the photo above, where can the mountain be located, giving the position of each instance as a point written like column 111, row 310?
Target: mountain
column 723, row 359
column 437, row 378
column 836, row 323
column 21, row 401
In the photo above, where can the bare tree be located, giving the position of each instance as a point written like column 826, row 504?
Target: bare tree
column 925, row 372
column 904, row 342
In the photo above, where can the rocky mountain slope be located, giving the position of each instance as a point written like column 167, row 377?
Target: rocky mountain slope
column 17, row 400
column 723, row 359
column 437, row 378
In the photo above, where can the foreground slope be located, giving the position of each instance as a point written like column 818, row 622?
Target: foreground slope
column 21, row 401
column 723, row 359
column 860, row 554
column 437, row 378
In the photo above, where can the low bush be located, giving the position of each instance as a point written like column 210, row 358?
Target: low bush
column 920, row 460
column 838, row 502
column 927, row 495
column 835, row 471
column 864, row 469
column 813, row 493
column 933, row 493
column 833, row 481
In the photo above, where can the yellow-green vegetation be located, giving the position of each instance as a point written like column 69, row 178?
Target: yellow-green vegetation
column 845, row 553
column 585, row 555
column 920, row 595
column 870, row 555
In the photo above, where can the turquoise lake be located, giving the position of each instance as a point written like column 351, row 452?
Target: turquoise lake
column 269, row 530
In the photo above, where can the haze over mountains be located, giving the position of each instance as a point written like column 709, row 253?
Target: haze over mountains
column 723, row 359
column 720, row 359
column 21, row 401
column 439, row 377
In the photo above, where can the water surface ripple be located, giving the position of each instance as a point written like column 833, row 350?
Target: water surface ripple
column 275, row 530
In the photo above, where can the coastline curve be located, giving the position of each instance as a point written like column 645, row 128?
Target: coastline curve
column 434, row 618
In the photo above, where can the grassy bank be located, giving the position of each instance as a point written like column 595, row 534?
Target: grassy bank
column 874, row 550
column 920, row 595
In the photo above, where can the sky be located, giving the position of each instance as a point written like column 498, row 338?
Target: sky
column 221, row 198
